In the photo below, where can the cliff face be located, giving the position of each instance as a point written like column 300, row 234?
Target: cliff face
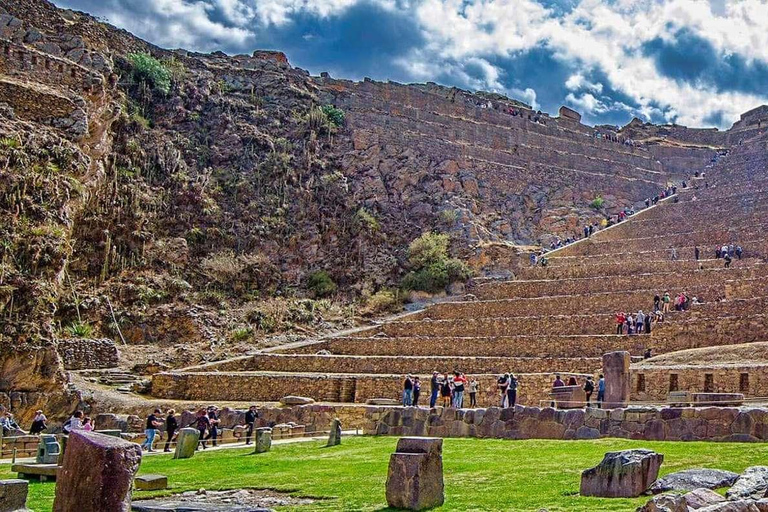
column 176, row 216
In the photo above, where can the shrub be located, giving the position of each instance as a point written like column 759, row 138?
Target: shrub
column 241, row 334
column 148, row 69
column 321, row 284
column 366, row 220
column 429, row 248
column 79, row 330
column 449, row 217
column 597, row 202
column 334, row 115
column 383, row 301
column 239, row 272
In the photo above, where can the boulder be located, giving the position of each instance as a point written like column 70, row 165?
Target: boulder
column 97, row 474
column 296, row 400
column 186, row 443
column 696, row 478
column 334, row 438
column 694, row 500
column 13, row 495
column 624, row 474
column 701, row 498
column 263, row 440
column 751, row 484
column 151, row 482
column 415, row 475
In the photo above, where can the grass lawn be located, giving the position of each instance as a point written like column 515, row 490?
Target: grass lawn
column 480, row 474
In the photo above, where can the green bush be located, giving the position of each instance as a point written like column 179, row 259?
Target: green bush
column 597, row 202
column 321, row 284
column 334, row 115
column 79, row 330
column 366, row 220
column 148, row 69
column 383, row 301
column 429, row 248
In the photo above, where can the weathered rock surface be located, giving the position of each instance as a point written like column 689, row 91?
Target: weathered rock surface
column 415, row 475
column 151, row 482
column 694, row 500
column 696, row 478
column 334, row 438
column 263, row 440
column 624, row 474
column 186, row 443
column 752, row 484
column 13, row 495
column 97, row 474
column 296, row 400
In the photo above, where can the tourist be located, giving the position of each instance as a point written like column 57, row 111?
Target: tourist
column 458, row 389
column 572, row 381
column 672, row 253
column 629, row 324
column 600, row 390
column 724, row 251
column 586, row 232
column 620, row 319
column 416, row 391
column 512, row 390
column 434, row 388
column 250, row 421
column 558, row 381
column 8, row 425
column 407, row 391
column 502, row 384
column 666, row 300
column 639, row 322
column 739, row 251
column 38, row 423
column 87, row 424
column 589, row 388
column 717, row 252
column 656, row 303
column 533, row 259
column 696, row 253
column 153, row 422
column 473, row 392
column 445, row 391
column 213, row 429
column 201, row 424
column 171, row 426
column 648, row 323
column 728, row 260
column 73, row 423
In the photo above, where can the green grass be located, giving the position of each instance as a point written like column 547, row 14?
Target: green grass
column 480, row 474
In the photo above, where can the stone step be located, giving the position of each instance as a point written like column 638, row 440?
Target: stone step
column 540, row 345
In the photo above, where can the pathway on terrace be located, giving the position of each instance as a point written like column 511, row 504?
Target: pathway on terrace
column 559, row 318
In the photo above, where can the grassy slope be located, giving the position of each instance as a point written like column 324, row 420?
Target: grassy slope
column 479, row 474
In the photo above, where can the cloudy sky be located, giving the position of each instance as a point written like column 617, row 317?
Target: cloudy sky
column 694, row 62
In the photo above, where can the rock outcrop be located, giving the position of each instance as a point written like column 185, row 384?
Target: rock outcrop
column 696, row 478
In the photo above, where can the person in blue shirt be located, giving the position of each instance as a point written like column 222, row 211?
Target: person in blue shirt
column 600, row 391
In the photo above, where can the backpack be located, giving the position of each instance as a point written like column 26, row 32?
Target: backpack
column 66, row 425
column 588, row 386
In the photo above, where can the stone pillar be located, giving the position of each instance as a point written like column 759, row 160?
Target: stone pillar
column 334, row 438
column 97, row 474
column 48, row 450
column 186, row 443
column 617, row 379
column 13, row 495
column 263, row 440
column 415, row 476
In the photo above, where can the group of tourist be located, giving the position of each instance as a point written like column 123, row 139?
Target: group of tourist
column 612, row 137
column 448, row 390
column 728, row 252
column 8, row 424
column 588, row 387
column 642, row 323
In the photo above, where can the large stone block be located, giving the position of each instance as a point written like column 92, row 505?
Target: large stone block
column 186, row 443
column 48, row 450
column 334, row 438
column 151, row 482
column 415, row 476
column 13, row 495
column 624, row 474
column 97, row 474
column 263, row 440
column 617, row 379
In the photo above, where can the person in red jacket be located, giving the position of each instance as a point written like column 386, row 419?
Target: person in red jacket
column 620, row 318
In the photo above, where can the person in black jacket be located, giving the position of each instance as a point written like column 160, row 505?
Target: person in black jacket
column 250, row 421
column 171, row 426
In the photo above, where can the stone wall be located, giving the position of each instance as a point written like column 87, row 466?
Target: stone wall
column 645, row 423
column 655, row 383
column 254, row 386
column 400, row 365
column 83, row 354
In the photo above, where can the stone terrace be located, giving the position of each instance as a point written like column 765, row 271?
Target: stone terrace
column 554, row 319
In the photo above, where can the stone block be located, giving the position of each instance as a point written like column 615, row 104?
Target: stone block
column 151, row 482
column 97, row 474
column 334, row 438
column 48, row 450
column 617, row 379
column 296, row 400
column 415, row 475
column 13, row 495
column 624, row 474
column 186, row 443
column 263, row 440
column 751, row 484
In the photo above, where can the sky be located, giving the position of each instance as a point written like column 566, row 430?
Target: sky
column 699, row 63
